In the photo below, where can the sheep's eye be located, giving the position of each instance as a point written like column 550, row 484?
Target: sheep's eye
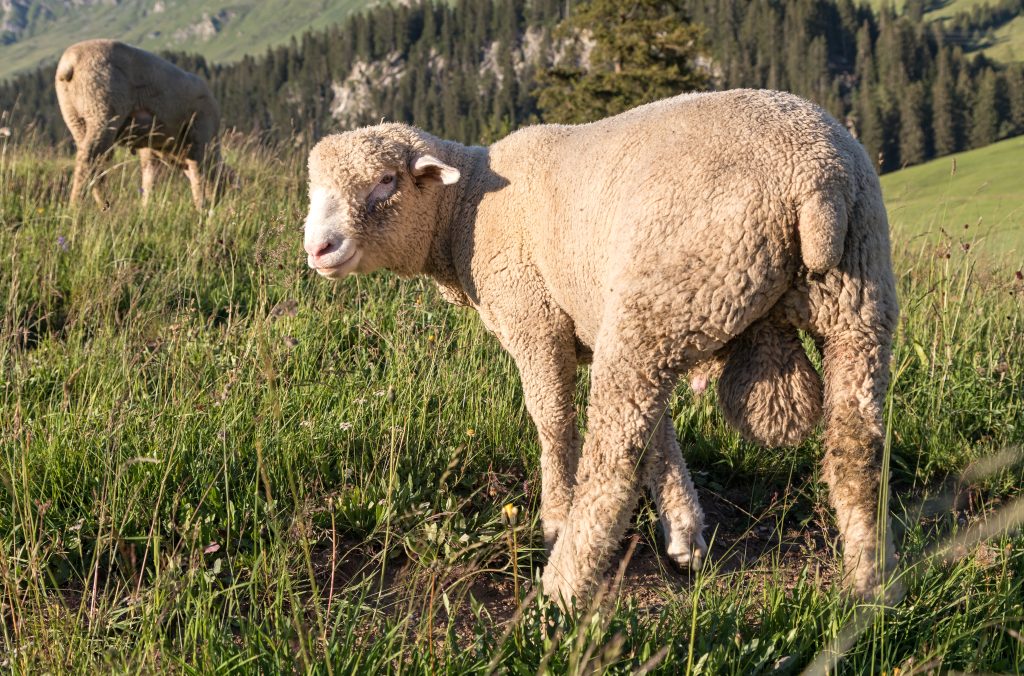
column 383, row 191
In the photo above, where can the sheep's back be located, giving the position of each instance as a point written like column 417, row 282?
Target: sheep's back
column 716, row 178
column 107, row 77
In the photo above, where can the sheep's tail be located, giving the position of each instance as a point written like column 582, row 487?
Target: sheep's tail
column 822, row 222
column 66, row 69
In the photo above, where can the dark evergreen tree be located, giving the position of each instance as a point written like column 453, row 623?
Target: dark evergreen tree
column 965, row 97
column 914, row 10
column 946, row 113
column 987, row 111
column 914, row 115
column 869, row 125
column 642, row 51
column 1015, row 97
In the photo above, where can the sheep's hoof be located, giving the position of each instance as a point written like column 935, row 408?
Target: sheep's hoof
column 559, row 589
column 686, row 552
column 865, row 586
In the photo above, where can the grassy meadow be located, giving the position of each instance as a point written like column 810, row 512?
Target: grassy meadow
column 213, row 462
column 974, row 197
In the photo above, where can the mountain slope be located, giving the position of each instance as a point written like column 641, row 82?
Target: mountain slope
column 935, row 10
column 985, row 194
column 1008, row 42
column 35, row 31
column 1003, row 41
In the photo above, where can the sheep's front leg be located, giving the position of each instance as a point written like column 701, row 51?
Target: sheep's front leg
column 195, row 180
column 150, row 167
column 547, row 367
column 669, row 483
column 627, row 398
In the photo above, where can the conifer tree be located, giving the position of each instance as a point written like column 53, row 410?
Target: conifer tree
column 643, row 50
column 946, row 126
column 914, row 10
column 913, row 138
column 1015, row 93
column 965, row 95
column 869, row 125
column 985, row 112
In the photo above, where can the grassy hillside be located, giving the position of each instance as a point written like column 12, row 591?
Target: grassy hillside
column 1007, row 44
column 939, row 9
column 211, row 460
column 985, row 194
column 221, row 30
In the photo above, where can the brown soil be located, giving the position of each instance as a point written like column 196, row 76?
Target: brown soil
column 745, row 550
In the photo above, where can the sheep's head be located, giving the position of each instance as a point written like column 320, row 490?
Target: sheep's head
column 373, row 200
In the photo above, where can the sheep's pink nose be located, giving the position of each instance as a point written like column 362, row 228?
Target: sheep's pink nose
column 320, row 249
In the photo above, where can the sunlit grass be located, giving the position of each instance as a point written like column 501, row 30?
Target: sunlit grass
column 974, row 198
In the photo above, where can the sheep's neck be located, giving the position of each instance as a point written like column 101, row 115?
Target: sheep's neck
column 451, row 248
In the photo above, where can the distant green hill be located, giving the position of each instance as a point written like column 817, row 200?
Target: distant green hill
column 37, row 31
column 1006, row 42
column 937, row 10
column 986, row 193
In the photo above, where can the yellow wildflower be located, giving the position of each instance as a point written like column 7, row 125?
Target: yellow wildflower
column 510, row 514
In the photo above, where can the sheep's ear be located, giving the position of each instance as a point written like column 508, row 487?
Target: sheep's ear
column 429, row 167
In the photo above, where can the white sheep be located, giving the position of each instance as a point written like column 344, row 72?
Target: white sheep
column 702, row 227
column 110, row 93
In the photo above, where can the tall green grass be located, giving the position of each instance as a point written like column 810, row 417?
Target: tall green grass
column 212, row 462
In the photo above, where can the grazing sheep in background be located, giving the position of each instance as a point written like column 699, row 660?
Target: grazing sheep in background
column 702, row 227
column 110, row 92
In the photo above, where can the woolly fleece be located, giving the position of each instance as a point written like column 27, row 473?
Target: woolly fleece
column 110, row 93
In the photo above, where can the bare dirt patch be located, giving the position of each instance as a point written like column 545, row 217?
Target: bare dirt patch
column 753, row 550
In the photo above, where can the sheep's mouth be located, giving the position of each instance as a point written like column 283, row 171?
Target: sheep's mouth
column 342, row 268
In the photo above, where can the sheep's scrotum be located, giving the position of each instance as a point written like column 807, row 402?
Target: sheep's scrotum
column 768, row 389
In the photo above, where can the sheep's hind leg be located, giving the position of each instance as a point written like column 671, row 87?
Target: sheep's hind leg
column 627, row 399
column 856, row 377
column 150, row 168
column 195, row 180
column 669, row 483
column 87, row 163
column 196, row 170
column 83, row 170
